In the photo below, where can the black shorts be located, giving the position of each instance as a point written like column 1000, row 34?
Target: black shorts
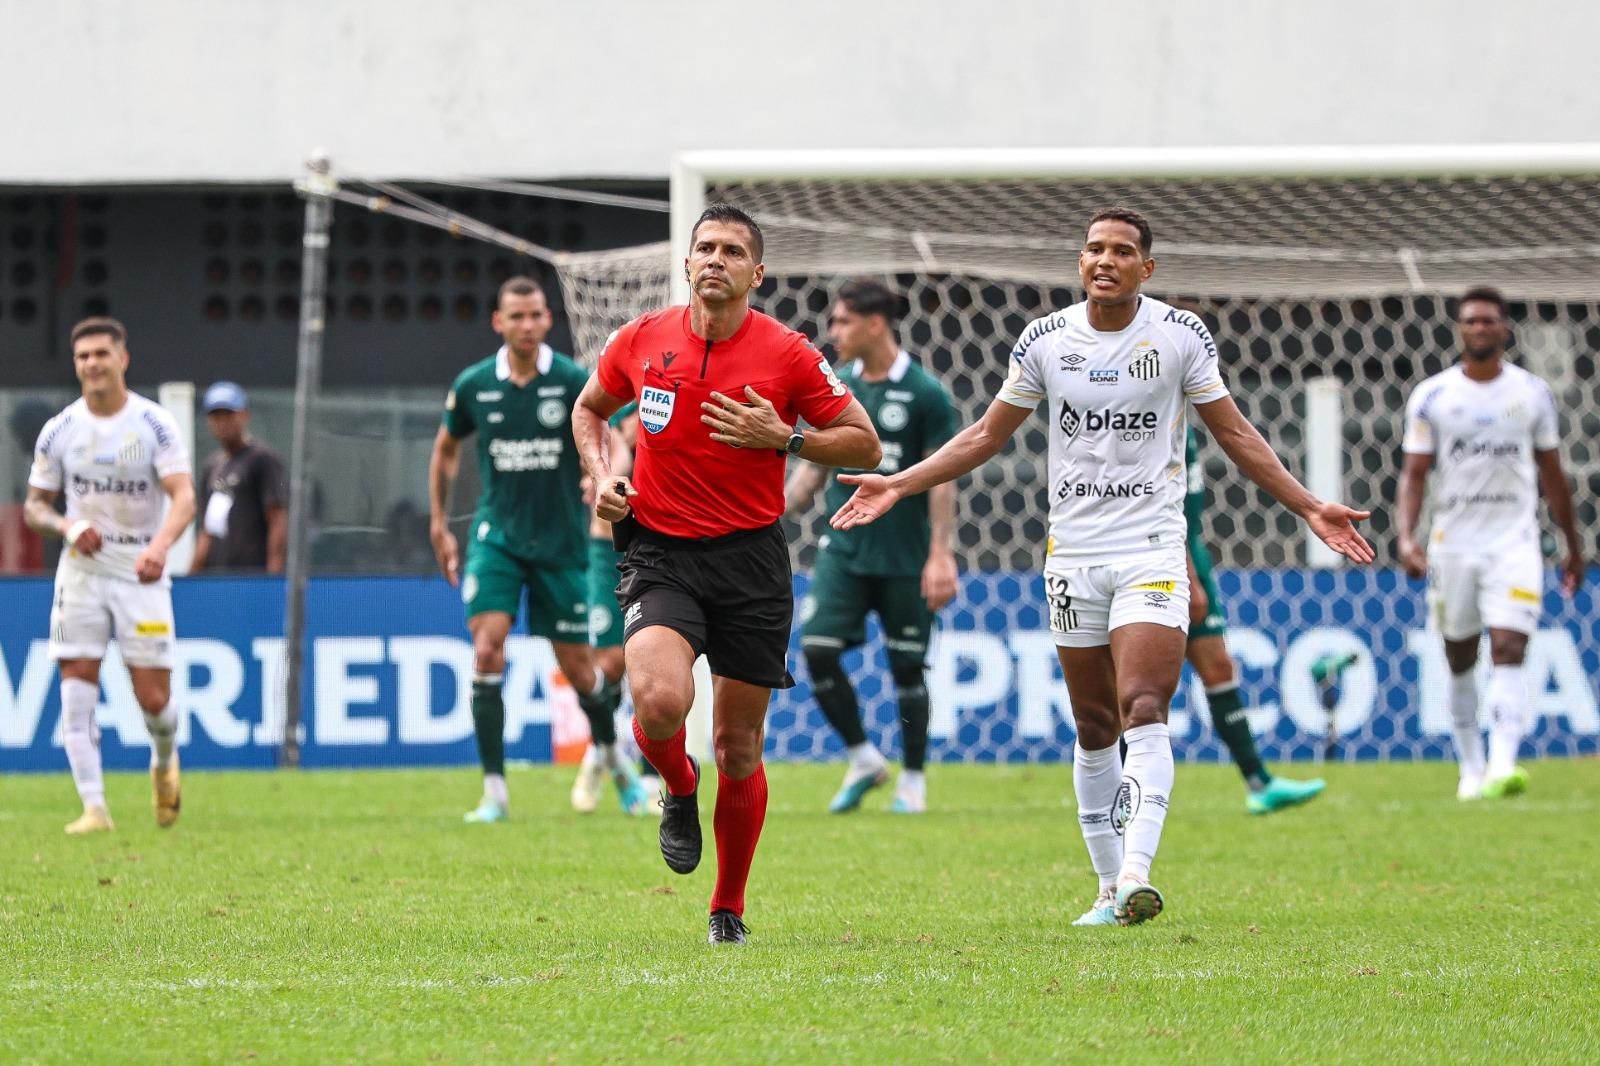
column 730, row 597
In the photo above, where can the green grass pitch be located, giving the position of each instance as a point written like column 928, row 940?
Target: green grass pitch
column 351, row 917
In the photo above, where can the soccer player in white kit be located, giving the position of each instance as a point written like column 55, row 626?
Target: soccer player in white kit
column 1488, row 431
column 119, row 459
column 1115, row 374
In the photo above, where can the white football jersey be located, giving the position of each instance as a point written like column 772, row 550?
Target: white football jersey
column 1482, row 436
column 1117, row 405
column 111, row 471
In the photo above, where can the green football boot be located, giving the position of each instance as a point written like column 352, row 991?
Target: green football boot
column 1282, row 792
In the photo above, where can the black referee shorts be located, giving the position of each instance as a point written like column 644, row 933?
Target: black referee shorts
column 730, row 597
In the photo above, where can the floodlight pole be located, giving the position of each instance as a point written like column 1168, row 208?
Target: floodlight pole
column 318, row 188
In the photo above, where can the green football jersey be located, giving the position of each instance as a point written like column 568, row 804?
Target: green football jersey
column 913, row 415
column 532, row 505
column 1194, row 501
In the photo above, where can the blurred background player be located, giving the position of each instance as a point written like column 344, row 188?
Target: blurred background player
column 1208, row 655
column 605, row 617
column 1490, row 432
column 706, row 567
column 528, row 533
column 901, row 567
column 120, row 459
column 1114, row 374
column 244, row 493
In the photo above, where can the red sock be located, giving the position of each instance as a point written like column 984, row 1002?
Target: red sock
column 741, row 809
column 669, row 758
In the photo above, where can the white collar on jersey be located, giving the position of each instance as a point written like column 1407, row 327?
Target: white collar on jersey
column 502, row 361
column 897, row 369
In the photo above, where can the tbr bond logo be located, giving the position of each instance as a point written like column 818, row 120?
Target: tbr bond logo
column 655, row 408
column 1146, row 365
column 1103, row 377
column 893, row 417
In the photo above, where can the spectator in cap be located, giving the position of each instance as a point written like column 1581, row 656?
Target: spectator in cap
column 244, row 495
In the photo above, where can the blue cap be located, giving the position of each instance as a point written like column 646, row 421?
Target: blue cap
column 226, row 396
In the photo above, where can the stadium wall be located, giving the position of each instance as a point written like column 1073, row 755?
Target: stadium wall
column 389, row 677
column 180, row 91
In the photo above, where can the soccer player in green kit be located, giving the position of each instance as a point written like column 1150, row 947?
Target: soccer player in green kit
column 902, row 567
column 1208, row 655
column 530, row 532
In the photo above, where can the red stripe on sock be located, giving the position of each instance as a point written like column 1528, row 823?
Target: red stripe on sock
column 669, row 758
column 741, row 810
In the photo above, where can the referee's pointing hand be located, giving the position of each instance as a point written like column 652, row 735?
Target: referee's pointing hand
column 752, row 424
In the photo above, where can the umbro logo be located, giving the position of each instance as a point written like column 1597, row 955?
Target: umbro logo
column 1073, row 362
column 1147, row 366
column 667, row 358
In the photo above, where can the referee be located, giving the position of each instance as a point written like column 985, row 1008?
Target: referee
column 721, row 390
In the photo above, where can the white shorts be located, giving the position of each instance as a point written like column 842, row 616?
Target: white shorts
column 1470, row 593
column 1087, row 603
column 88, row 608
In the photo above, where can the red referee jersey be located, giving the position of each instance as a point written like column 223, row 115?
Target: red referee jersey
column 690, row 485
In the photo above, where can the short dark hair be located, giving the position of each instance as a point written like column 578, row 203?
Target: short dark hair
column 869, row 296
column 726, row 212
column 100, row 324
column 1487, row 294
column 1132, row 218
column 517, row 286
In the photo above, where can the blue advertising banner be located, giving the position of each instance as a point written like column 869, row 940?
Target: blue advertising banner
column 390, row 664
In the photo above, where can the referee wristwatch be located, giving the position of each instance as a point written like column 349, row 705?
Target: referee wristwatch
column 797, row 440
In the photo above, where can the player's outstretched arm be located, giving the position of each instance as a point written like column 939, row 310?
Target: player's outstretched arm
column 1558, row 492
column 961, row 454
column 1333, row 523
column 1408, row 500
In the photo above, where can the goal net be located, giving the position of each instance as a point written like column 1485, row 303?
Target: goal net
column 1325, row 266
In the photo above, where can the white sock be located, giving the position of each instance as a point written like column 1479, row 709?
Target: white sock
column 1508, row 702
column 1464, row 723
column 866, row 756
column 913, row 784
column 1147, row 785
column 610, row 756
column 81, row 735
column 1096, row 778
column 494, row 787
column 163, row 729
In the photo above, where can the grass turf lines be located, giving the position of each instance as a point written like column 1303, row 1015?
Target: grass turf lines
column 323, row 916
